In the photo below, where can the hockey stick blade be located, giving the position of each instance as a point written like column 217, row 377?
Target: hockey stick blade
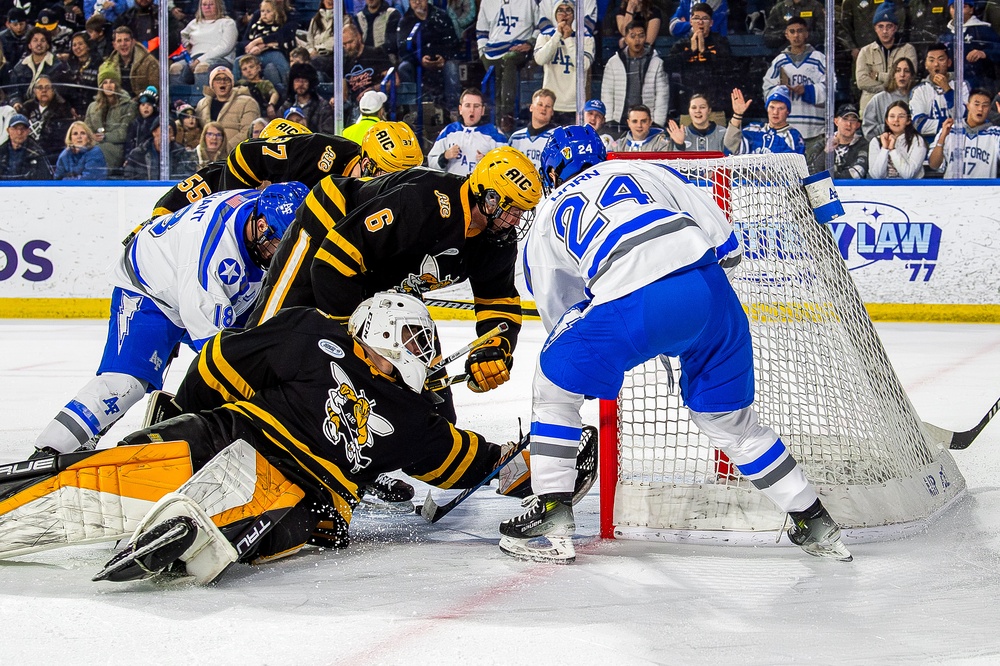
column 962, row 440
column 433, row 512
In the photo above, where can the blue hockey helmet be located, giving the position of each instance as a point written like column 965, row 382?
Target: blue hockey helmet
column 277, row 204
column 569, row 151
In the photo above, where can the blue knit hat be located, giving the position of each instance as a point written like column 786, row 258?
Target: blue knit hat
column 887, row 12
column 780, row 94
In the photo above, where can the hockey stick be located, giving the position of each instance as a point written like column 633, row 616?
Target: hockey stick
column 496, row 330
column 962, row 440
column 42, row 466
column 467, row 305
column 433, row 512
column 445, row 382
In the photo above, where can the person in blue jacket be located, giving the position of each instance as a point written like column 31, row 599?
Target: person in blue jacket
column 81, row 159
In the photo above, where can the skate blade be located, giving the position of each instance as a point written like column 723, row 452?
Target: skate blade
column 129, row 557
column 834, row 550
column 552, row 549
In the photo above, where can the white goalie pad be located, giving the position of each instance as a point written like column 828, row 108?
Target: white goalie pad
column 210, row 553
column 101, row 498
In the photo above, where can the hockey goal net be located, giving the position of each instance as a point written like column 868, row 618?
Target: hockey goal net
column 823, row 382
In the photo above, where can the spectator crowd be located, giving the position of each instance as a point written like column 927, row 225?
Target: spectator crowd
column 80, row 80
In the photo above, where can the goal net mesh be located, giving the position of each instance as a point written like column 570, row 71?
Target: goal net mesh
column 823, row 382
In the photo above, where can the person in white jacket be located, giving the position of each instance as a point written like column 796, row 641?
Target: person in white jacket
column 209, row 41
column 618, row 96
column 555, row 51
column 899, row 151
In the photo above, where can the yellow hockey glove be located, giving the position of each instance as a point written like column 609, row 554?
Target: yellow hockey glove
column 489, row 365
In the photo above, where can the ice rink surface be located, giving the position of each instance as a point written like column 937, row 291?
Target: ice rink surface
column 411, row 593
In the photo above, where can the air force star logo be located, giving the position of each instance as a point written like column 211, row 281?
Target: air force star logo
column 229, row 271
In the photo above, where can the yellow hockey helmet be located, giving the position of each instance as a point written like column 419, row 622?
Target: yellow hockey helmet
column 389, row 147
column 281, row 127
column 506, row 185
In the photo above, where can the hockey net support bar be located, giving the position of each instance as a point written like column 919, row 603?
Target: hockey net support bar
column 822, row 379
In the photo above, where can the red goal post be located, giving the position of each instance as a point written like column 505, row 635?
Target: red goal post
column 822, row 380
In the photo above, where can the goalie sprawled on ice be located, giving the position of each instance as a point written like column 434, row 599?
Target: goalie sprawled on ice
column 283, row 424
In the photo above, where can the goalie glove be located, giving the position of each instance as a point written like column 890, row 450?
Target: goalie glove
column 489, row 365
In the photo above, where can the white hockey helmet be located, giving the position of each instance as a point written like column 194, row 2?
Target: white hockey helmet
column 398, row 327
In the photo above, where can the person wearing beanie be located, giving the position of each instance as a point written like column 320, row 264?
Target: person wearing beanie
column 372, row 110
column 231, row 106
column 303, row 82
column 776, row 136
column 857, row 22
column 188, row 125
column 873, row 68
column 146, row 118
column 109, row 116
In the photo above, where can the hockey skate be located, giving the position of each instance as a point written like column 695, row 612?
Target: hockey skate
column 390, row 494
column 153, row 553
column 515, row 478
column 544, row 533
column 817, row 533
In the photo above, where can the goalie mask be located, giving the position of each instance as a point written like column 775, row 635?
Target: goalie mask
column 277, row 204
column 398, row 327
column 569, row 151
column 507, row 189
column 389, row 147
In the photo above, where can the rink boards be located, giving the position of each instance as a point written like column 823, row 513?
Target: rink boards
column 925, row 251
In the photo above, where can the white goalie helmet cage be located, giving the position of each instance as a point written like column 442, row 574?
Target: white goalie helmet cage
column 399, row 327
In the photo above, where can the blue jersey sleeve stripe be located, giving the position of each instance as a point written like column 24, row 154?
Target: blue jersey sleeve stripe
column 732, row 243
column 764, row 461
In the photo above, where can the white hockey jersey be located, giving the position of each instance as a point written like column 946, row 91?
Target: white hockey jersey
column 474, row 142
column 503, row 24
column 808, row 114
column 614, row 228
column 980, row 153
column 194, row 265
column 930, row 105
column 532, row 144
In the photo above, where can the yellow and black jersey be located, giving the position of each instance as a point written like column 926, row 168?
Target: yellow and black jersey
column 205, row 181
column 312, row 392
column 408, row 230
column 307, row 158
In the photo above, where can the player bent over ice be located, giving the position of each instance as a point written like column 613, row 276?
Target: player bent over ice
column 182, row 278
column 624, row 263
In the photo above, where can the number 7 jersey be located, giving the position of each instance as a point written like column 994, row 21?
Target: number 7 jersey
column 614, row 228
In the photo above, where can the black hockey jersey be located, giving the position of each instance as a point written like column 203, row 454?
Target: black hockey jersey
column 206, row 180
column 408, row 230
column 307, row 158
column 313, row 393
